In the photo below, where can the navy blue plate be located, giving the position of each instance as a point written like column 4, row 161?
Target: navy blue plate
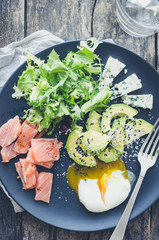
column 64, row 210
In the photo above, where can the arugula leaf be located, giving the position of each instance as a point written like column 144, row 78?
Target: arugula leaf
column 84, row 56
column 55, row 89
column 102, row 96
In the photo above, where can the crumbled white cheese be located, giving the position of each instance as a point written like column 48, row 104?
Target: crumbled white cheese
column 128, row 85
column 132, row 134
column 125, row 71
column 112, row 68
column 143, row 101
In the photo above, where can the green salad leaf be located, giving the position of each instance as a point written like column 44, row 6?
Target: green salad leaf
column 58, row 88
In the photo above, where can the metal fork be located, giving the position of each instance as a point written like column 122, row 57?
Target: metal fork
column 147, row 157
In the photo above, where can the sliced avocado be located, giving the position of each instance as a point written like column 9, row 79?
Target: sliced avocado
column 135, row 129
column 113, row 152
column 113, row 111
column 118, row 135
column 71, row 146
column 93, row 121
column 109, row 155
column 119, row 122
column 84, row 149
column 95, row 141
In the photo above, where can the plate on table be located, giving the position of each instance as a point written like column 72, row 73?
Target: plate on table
column 64, row 210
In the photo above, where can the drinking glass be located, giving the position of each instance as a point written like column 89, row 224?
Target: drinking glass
column 138, row 18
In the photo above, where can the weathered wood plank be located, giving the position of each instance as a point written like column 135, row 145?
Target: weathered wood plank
column 11, row 21
column 9, row 221
column 32, row 228
column 139, row 228
column 154, row 224
column 66, row 19
column 11, row 29
column 70, row 235
column 157, row 51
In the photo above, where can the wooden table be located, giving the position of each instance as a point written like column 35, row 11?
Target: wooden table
column 70, row 20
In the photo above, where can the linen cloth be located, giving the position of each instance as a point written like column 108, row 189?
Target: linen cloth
column 12, row 56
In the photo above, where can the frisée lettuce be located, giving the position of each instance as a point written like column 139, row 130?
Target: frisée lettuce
column 58, row 88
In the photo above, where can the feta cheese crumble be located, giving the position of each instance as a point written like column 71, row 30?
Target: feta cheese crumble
column 128, row 85
column 143, row 101
column 112, row 68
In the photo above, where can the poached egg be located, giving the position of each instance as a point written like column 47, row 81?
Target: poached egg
column 102, row 187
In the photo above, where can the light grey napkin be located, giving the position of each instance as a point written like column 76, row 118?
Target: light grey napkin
column 11, row 57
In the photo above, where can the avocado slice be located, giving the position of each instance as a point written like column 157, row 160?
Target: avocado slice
column 119, row 122
column 84, row 149
column 113, row 152
column 71, row 146
column 135, row 129
column 93, row 121
column 109, row 155
column 95, row 141
column 113, row 111
column 118, row 135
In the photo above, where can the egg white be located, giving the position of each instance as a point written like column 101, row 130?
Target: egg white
column 117, row 191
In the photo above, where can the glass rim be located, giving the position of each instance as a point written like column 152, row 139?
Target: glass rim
column 130, row 18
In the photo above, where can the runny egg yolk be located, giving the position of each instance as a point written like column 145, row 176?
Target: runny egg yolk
column 101, row 172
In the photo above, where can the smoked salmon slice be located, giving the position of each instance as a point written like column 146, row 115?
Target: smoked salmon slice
column 27, row 172
column 20, row 173
column 43, row 187
column 48, row 164
column 9, row 131
column 7, row 153
column 23, row 142
column 45, row 149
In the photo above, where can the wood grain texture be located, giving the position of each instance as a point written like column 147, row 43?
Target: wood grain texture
column 9, row 221
column 70, row 20
column 157, row 51
column 66, row 19
column 11, row 21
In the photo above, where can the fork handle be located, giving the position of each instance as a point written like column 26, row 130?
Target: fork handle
column 119, row 231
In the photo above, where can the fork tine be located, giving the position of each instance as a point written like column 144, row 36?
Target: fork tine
column 154, row 146
column 151, row 141
column 157, row 152
column 149, row 136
